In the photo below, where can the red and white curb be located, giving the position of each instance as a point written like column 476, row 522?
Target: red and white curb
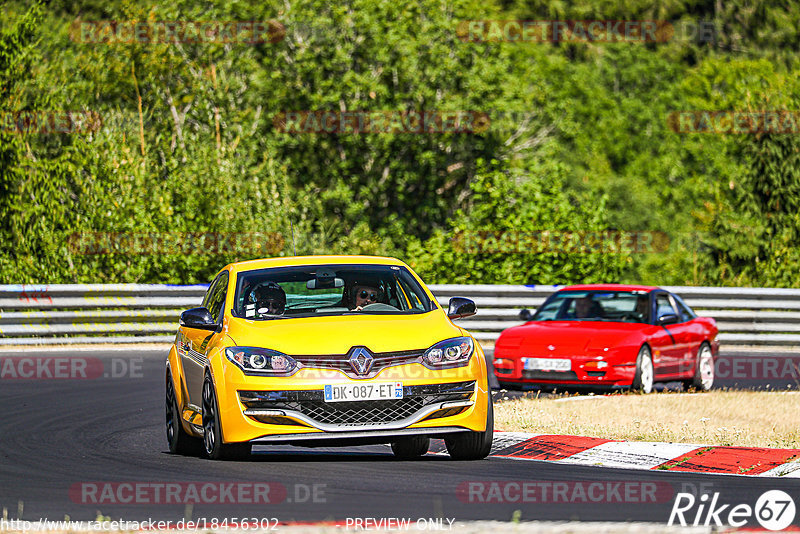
column 579, row 450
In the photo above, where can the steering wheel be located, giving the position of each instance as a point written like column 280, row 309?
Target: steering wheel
column 379, row 306
column 633, row 315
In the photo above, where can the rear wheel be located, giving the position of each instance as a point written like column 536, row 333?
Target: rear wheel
column 473, row 445
column 643, row 380
column 212, row 430
column 180, row 442
column 703, row 379
column 410, row 448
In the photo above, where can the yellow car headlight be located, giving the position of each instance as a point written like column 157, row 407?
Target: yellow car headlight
column 454, row 352
column 254, row 360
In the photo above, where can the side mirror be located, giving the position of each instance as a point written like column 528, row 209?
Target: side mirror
column 199, row 318
column 667, row 318
column 525, row 315
column 461, row 307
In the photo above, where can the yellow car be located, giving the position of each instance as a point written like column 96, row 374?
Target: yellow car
column 326, row 351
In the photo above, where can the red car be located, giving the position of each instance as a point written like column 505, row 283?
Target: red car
column 610, row 336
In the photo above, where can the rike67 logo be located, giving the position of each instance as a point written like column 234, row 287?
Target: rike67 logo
column 774, row 510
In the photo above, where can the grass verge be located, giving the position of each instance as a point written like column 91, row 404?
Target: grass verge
column 739, row 418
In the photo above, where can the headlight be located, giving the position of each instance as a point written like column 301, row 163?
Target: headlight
column 261, row 361
column 449, row 353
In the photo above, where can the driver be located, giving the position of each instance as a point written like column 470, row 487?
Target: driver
column 270, row 299
column 363, row 290
column 364, row 295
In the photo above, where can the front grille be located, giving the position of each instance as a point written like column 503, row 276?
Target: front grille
column 311, row 404
column 341, row 362
column 358, row 413
column 502, row 371
column 549, row 375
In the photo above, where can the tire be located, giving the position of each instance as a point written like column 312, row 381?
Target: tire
column 213, row 445
column 411, row 448
column 473, row 445
column 643, row 380
column 179, row 441
column 703, row 379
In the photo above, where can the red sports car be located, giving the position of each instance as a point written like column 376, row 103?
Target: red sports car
column 611, row 336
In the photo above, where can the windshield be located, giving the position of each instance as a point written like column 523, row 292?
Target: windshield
column 314, row 290
column 616, row 306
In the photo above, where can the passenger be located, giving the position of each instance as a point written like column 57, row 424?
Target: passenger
column 585, row 308
column 643, row 308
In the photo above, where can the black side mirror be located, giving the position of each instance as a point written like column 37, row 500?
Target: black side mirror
column 199, row 318
column 525, row 315
column 461, row 307
column 667, row 318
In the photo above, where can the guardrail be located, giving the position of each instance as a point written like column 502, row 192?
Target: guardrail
column 138, row 313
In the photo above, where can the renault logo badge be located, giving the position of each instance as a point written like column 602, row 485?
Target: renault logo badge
column 360, row 360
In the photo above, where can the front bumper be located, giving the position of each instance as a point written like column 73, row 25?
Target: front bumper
column 584, row 371
column 292, row 409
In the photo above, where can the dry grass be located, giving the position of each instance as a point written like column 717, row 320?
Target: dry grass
column 744, row 418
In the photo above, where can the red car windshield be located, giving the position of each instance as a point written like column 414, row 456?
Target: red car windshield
column 616, row 306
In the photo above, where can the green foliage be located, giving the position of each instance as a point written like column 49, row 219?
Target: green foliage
column 579, row 141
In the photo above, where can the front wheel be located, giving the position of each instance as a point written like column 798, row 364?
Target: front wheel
column 180, row 442
column 643, row 380
column 703, row 379
column 212, row 430
column 473, row 445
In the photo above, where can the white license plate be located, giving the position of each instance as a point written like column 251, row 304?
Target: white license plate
column 546, row 364
column 364, row 392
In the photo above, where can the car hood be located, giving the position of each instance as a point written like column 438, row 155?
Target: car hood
column 337, row 335
column 559, row 338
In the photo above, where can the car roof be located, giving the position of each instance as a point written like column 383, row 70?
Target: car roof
column 292, row 261
column 608, row 287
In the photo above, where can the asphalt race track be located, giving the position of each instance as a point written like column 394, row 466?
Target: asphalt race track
column 57, row 435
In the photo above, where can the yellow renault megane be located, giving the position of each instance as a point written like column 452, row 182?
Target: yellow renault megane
column 326, row 351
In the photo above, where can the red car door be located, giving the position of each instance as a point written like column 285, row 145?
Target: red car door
column 674, row 335
column 695, row 333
